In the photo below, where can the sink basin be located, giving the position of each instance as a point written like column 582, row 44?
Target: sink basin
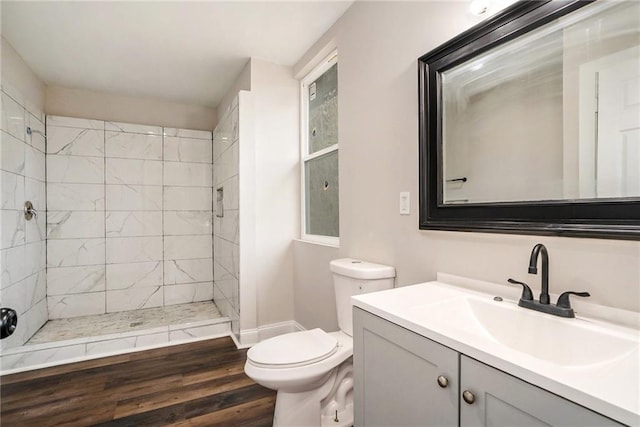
column 592, row 360
column 566, row 342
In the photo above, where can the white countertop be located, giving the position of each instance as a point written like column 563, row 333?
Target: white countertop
column 610, row 387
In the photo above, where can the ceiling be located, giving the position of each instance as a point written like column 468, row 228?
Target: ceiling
column 182, row 51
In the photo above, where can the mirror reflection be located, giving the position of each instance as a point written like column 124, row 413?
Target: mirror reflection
column 552, row 115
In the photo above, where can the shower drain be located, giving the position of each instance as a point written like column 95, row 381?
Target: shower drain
column 135, row 324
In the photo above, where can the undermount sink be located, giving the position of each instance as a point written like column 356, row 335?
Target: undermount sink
column 566, row 342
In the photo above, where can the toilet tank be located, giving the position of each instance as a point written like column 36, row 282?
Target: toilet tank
column 355, row 277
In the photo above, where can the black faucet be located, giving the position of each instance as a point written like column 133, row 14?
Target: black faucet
column 563, row 307
column 533, row 269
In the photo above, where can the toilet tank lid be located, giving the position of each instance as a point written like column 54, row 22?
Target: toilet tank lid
column 358, row 269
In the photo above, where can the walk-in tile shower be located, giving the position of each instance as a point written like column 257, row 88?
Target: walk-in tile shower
column 135, row 234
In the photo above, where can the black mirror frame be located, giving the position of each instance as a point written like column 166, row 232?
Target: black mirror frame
column 612, row 218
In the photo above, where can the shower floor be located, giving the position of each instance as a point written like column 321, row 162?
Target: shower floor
column 126, row 321
column 82, row 338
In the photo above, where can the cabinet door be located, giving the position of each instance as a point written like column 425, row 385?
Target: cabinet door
column 396, row 376
column 503, row 400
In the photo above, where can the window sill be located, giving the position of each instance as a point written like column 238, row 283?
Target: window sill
column 313, row 242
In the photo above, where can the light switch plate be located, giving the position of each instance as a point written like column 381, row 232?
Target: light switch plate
column 405, row 203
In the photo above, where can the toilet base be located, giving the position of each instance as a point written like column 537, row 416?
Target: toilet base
column 344, row 417
column 318, row 407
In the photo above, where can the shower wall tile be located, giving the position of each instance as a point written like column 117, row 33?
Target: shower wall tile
column 76, row 280
column 74, row 122
column 229, row 289
column 13, row 121
column 227, row 227
column 187, row 293
column 75, row 224
column 12, row 159
column 135, row 172
column 231, row 193
column 226, row 165
column 22, row 242
column 36, row 140
column 14, row 296
column 11, row 190
column 76, row 197
column 179, row 149
column 133, row 249
column 34, row 163
column 36, row 288
column 35, row 258
column 133, row 146
column 133, row 224
column 64, row 306
column 12, row 266
column 150, row 189
column 139, row 274
column 187, row 198
column 226, row 255
column 187, row 174
column 36, row 228
column 188, row 271
column 75, row 141
column 227, row 310
column 187, row 133
column 134, row 298
column 220, row 145
column 36, row 192
column 187, row 222
column 75, row 252
column 133, row 198
column 132, row 128
column 12, row 229
column 75, row 169
column 188, row 247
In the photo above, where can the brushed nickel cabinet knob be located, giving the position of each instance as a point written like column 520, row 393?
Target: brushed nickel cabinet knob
column 468, row 397
column 443, row 381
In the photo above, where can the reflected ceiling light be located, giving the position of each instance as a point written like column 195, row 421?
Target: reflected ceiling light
column 479, row 7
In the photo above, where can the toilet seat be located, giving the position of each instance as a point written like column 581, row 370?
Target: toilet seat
column 293, row 350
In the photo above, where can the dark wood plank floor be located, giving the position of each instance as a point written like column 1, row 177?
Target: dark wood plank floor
column 197, row 384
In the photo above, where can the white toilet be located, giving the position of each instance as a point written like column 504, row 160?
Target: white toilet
column 313, row 370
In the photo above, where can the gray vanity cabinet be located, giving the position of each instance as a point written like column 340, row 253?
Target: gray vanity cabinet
column 499, row 399
column 399, row 381
column 396, row 376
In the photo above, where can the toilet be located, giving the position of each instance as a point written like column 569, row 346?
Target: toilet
column 312, row 370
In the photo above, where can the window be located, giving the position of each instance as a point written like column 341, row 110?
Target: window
column 320, row 189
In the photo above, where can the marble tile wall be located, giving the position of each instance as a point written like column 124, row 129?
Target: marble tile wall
column 76, row 283
column 130, row 223
column 187, row 198
column 226, row 237
column 23, row 280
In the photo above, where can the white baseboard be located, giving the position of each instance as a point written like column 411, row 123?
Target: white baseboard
column 249, row 337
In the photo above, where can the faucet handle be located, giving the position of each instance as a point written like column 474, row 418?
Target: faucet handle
column 526, row 290
column 563, row 299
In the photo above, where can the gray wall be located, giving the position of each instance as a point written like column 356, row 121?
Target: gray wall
column 378, row 44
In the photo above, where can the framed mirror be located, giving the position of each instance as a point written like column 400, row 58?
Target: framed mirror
column 530, row 123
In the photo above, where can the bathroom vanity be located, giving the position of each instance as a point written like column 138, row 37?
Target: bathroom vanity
column 448, row 354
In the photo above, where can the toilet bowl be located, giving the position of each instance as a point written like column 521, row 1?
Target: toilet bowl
column 312, row 370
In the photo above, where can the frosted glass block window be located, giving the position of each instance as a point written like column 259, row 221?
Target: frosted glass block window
column 321, row 191
column 320, row 201
column 323, row 111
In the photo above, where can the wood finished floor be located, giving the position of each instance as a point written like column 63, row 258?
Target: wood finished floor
column 197, row 384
